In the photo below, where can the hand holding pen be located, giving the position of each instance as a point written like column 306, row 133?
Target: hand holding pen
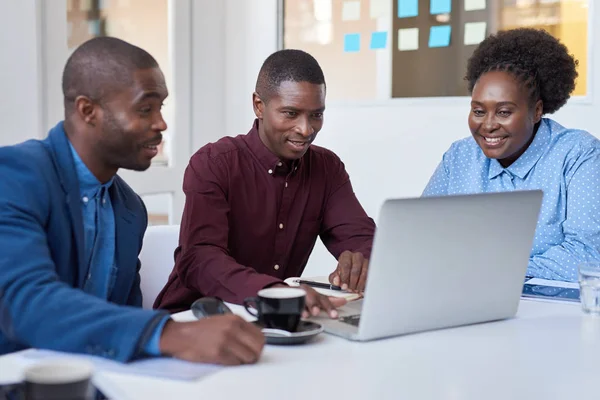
column 351, row 272
column 317, row 284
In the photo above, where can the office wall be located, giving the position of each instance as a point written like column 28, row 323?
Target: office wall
column 20, row 72
column 390, row 148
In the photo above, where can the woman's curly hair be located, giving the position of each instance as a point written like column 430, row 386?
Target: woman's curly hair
column 536, row 58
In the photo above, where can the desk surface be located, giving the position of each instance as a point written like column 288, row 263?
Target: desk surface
column 549, row 351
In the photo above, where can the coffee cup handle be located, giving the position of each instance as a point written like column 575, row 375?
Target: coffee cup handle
column 248, row 303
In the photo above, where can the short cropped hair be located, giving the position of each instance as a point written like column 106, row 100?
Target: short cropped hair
column 100, row 67
column 287, row 66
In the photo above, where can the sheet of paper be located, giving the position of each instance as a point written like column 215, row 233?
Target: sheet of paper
column 439, row 36
column 380, row 8
column 472, row 5
column 351, row 11
column 408, row 39
column 408, row 8
column 378, row 40
column 160, row 367
column 440, row 6
column 474, row 32
column 545, row 282
column 352, row 42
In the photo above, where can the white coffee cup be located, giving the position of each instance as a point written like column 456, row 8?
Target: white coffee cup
column 65, row 379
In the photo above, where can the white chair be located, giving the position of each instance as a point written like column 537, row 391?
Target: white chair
column 157, row 260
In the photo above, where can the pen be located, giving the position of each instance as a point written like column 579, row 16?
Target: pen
column 318, row 284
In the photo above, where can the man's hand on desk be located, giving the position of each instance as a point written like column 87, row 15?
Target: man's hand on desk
column 316, row 302
column 223, row 339
column 351, row 272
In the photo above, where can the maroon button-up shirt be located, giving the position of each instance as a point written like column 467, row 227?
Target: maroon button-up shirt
column 251, row 220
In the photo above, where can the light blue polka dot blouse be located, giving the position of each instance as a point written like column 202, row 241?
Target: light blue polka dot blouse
column 565, row 165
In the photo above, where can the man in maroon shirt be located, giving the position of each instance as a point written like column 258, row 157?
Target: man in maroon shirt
column 256, row 203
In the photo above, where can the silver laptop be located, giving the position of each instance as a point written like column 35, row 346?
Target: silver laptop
column 440, row 262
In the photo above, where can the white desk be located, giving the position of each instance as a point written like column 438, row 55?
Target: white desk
column 549, row 351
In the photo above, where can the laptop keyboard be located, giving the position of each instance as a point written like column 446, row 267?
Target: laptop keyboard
column 351, row 319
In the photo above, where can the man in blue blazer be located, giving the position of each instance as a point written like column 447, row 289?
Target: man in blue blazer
column 71, row 229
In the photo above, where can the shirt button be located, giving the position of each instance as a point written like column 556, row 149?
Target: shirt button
column 280, row 226
column 90, row 275
column 276, row 267
column 270, row 171
column 85, row 199
column 103, row 201
column 279, row 164
column 295, row 168
column 286, row 184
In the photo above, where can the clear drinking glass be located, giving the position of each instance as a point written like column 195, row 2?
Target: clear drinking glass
column 589, row 284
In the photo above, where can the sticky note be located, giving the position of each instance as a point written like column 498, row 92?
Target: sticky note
column 109, row 26
column 322, row 10
column 440, row 6
column 379, row 8
column 439, row 36
column 408, row 8
column 472, row 5
column 408, row 39
column 85, row 5
column 351, row 11
column 474, row 32
column 351, row 42
column 94, row 27
column 378, row 40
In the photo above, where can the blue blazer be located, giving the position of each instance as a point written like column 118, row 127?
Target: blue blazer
column 42, row 270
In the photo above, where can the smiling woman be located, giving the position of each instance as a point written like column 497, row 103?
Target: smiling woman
column 502, row 120
column 510, row 93
column 515, row 77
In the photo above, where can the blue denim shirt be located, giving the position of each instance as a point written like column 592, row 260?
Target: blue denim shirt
column 565, row 165
column 99, row 239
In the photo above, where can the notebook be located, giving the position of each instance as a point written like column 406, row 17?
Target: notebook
column 542, row 289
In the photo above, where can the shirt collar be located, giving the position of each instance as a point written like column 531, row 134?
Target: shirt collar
column 89, row 185
column 269, row 161
column 529, row 158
